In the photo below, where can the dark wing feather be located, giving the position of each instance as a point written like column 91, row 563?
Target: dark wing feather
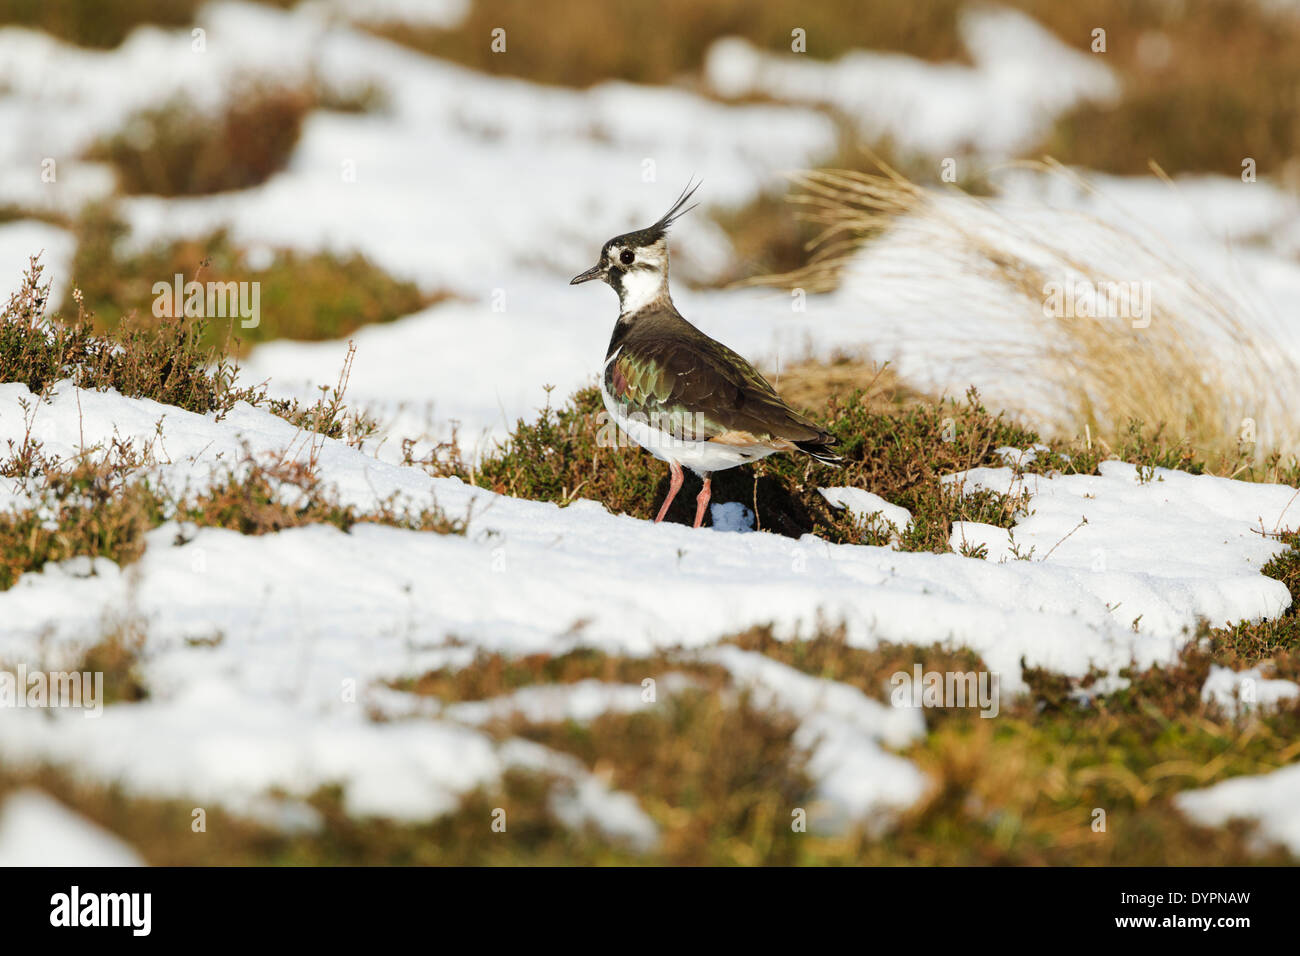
column 703, row 388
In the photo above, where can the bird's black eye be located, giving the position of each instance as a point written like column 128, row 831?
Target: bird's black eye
column 626, row 257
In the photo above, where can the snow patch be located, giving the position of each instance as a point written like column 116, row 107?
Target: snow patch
column 1268, row 799
column 846, row 733
column 969, row 535
column 731, row 516
column 865, row 505
column 37, row 830
column 1239, row 692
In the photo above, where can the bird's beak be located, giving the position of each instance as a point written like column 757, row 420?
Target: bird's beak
column 593, row 273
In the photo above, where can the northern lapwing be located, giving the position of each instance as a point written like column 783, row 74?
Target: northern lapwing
column 681, row 395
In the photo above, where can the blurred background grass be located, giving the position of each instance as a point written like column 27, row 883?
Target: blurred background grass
column 1200, row 78
column 1203, row 83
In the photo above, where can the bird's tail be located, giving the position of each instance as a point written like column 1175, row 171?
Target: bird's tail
column 821, row 450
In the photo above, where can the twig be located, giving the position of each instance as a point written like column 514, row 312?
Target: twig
column 1082, row 521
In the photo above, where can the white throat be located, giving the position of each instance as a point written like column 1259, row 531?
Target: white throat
column 639, row 288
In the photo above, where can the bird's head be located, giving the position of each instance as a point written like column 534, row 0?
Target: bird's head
column 635, row 264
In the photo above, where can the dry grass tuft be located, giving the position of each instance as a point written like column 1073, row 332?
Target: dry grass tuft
column 174, row 150
column 812, row 384
column 181, row 149
column 167, row 361
column 172, row 360
column 1185, row 355
column 117, row 656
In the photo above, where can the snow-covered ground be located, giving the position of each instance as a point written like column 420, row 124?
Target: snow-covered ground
column 253, row 642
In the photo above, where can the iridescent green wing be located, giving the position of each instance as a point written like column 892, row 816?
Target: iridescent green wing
column 697, row 389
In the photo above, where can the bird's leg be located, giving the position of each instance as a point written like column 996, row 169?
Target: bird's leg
column 674, row 486
column 702, row 500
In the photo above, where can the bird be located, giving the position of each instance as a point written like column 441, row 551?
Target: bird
column 678, row 393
